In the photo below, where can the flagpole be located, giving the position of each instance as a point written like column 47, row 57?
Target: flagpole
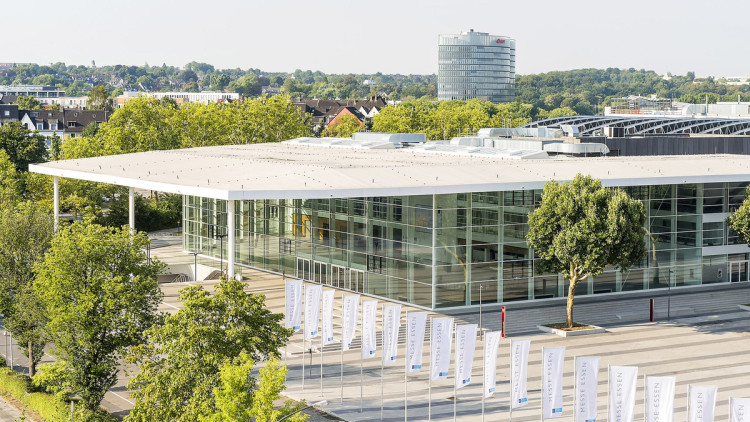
column 541, row 408
column 382, row 364
column 730, row 408
column 429, row 377
column 484, row 350
column 286, row 317
column 609, row 390
column 406, row 369
column 575, row 388
column 362, row 346
column 343, row 318
column 510, row 398
column 321, row 348
column 455, row 378
column 645, row 399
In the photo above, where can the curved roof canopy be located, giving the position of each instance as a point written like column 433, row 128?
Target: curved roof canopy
column 590, row 125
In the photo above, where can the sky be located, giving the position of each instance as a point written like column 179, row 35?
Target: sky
column 388, row 36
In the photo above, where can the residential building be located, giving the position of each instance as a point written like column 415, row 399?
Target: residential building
column 323, row 112
column 430, row 224
column 78, row 103
column 40, row 92
column 476, row 65
column 204, row 97
column 8, row 113
column 65, row 123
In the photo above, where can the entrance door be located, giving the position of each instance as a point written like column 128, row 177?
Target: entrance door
column 357, row 280
column 338, row 276
column 303, row 269
column 321, row 273
column 738, row 271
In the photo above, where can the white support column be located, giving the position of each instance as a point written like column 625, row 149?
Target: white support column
column 56, row 202
column 230, row 238
column 131, row 209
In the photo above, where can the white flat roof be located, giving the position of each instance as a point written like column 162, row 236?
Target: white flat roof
column 290, row 171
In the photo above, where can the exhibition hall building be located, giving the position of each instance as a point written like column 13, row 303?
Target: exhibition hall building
column 431, row 224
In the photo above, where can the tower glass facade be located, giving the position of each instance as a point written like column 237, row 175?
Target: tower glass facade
column 437, row 251
column 476, row 65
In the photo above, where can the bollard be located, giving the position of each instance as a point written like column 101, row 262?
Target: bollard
column 651, row 310
column 502, row 326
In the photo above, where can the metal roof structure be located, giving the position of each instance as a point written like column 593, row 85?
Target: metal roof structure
column 290, row 170
column 589, row 125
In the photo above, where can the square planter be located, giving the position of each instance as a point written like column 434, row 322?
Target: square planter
column 564, row 333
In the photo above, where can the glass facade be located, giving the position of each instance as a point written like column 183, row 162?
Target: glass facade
column 476, row 65
column 438, row 251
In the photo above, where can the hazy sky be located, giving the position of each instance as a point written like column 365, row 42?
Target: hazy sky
column 710, row 38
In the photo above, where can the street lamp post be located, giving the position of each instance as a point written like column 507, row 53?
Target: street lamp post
column 320, row 403
column 214, row 233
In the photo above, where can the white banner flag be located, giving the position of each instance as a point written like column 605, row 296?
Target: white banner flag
column 415, row 327
column 369, row 312
column 587, row 380
column 328, row 297
column 466, row 342
column 441, row 338
column 391, row 325
column 739, row 410
column 519, row 363
column 293, row 304
column 702, row 403
column 350, row 314
column 659, row 399
column 491, row 345
column 622, row 380
column 553, row 360
column 312, row 310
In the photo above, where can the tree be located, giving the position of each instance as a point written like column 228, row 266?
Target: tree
column 239, row 398
column 99, row 99
column 181, row 361
column 28, row 103
column 739, row 220
column 343, row 127
column 11, row 183
column 23, row 147
column 581, row 228
column 26, row 231
column 100, row 293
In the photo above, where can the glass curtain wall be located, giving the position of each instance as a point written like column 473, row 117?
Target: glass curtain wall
column 471, row 246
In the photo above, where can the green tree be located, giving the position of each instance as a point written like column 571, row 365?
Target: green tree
column 100, row 293
column 28, row 103
column 343, row 127
column 239, row 398
column 143, row 124
column 581, row 228
column 99, row 99
column 26, row 231
column 739, row 220
column 22, row 146
column 11, row 182
column 180, row 364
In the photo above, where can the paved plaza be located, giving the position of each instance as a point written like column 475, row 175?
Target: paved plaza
column 706, row 349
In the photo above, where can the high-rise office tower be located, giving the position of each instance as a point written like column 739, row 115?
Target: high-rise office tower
column 476, row 65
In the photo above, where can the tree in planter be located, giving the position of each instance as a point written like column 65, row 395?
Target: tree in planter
column 581, row 228
column 190, row 359
column 100, row 294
